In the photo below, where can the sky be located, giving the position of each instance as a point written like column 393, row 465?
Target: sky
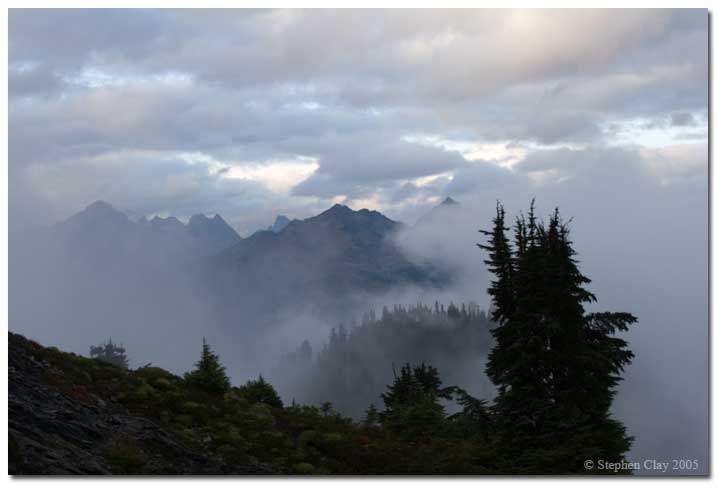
column 251, row 114
column 257, row 113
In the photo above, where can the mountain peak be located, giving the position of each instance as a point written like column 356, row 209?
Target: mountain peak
column 100, row 205
column 448, row 207
column 170, row 221
column 100, row 208
column 339, row 208
column 197, row 218
column 220, row 222
column 100, row 211
column 280, row 223
column 335, row 211
column 214, row 232
column 343, row 217
column 98, row 218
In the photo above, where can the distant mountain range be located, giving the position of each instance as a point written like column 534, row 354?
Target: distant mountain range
column 320, row 260
column 101, row 228
column 326, row 262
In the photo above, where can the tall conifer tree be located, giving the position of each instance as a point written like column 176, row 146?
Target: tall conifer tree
column 556, row 367
column 209, row 375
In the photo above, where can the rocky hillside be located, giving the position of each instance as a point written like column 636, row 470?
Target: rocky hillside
column 69, row 415
column 73, row 415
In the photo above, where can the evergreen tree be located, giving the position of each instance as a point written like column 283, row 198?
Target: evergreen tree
column 556, row 367
column 371, row 418
column 473, row 421
column 209, row 374
column 412, row 406
column 111, row 353
column 500, row 264
column 260, row 391
column 453, row 311
column 305, row 352
column 326, row 408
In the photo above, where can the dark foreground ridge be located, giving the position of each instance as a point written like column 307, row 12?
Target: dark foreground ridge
column 60, row 423
column 73, row 415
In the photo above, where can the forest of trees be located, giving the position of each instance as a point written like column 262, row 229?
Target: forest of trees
column 355, row 364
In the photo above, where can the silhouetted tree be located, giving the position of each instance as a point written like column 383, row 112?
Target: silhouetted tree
column 209, row 374
column 305, row 352
column 473, row 421
column 371, row 418
column 111, row 353
column 412, row 406
column 556, row 367
column 501, row 265
column 326, row 408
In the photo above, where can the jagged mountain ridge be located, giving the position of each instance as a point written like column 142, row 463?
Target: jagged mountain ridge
column 320, row 260
column 215, row 233
column 102, row 227
column 329, row 263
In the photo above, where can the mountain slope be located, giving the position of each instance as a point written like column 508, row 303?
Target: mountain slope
column 214, row 235
column 68, row 415
column 280, row 223
column 320, row 260
column 447, row 208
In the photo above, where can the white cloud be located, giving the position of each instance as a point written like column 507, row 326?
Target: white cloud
column 279, row 176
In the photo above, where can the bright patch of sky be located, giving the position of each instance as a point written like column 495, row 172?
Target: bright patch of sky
column 427, row 180
column 661, row 133
column 277, row 175
column 95, row 78
column 503, row 153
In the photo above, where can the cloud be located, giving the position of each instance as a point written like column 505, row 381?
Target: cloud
column 355, row 166
column 282, row 85
column 682, row 119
